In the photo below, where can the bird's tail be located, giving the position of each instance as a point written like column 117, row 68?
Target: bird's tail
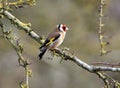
column 43, row 50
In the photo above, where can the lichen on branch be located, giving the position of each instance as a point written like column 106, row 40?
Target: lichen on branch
column 10, row 37
column 102, row 39
column 17, row 4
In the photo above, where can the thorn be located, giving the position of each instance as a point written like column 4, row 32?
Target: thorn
column 61, row 60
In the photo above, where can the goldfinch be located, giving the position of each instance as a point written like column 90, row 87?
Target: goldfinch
column 54, row 39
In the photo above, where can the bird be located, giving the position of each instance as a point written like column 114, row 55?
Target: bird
column 54, row 39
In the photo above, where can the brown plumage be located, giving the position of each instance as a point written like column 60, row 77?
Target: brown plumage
column 54, row 39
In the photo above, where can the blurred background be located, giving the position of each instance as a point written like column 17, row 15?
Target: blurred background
column 81, row 16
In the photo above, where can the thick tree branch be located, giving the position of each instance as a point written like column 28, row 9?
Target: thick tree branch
column 76, row 60
column 90, row 68
column 23, row 26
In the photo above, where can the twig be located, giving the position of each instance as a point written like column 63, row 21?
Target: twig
column 106, row 63
column 104, row 78
column 113, row 83
column 103, row 43
column 22, row 62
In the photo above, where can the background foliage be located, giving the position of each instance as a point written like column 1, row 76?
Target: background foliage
column 82, row 18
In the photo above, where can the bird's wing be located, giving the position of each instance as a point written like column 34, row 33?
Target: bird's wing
column 51, row 39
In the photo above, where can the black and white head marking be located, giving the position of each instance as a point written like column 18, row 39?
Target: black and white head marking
column 62, row 27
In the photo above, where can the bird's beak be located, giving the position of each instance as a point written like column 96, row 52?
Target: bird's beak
column 67, row 28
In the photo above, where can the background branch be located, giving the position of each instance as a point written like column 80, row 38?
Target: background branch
column 18, row 48
column 102, row 38
column 17, row 4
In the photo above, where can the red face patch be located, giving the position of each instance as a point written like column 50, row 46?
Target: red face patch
column 64, row 27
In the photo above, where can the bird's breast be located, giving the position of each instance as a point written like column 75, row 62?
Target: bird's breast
column 57, row 42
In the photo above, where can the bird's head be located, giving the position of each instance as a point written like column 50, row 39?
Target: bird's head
column 62, row 27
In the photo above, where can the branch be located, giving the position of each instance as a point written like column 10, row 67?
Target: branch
column 18, row 48
column 17, row 4
column 76, row 60
column 90, row 68
column 104, row 78
column 106, row 64
column 23, row 26
column 102, row 38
